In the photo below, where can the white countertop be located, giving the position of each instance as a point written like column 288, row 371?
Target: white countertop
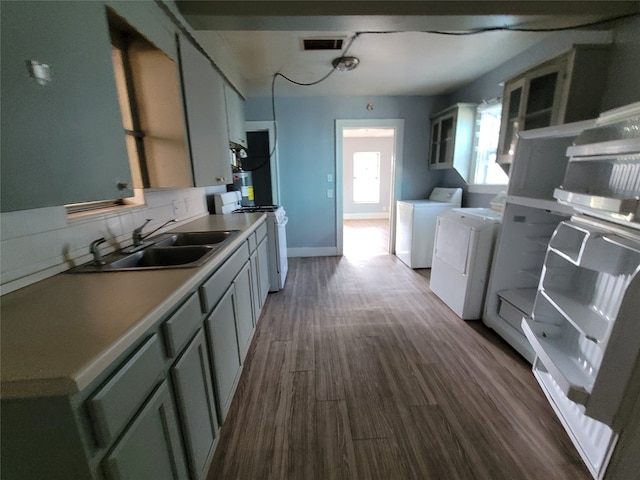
column 58, row 335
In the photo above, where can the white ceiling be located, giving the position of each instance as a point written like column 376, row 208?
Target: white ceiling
column 258, row 39
column 402, row 63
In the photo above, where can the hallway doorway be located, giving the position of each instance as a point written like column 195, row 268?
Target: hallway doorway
column 364, row 239
column 368, row 154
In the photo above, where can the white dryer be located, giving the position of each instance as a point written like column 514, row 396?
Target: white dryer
column 464, row 243
column 416, row 225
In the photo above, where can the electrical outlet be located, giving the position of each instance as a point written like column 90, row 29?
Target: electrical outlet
column 330, row 177
column 329, row 193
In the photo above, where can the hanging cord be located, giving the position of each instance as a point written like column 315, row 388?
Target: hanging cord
column 505, row 28
column 509, row 28
column 302, row 84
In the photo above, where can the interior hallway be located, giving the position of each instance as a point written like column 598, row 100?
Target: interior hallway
column 357, row 371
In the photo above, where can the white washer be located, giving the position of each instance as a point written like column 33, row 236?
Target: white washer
column 416, row 225
column 464, row 243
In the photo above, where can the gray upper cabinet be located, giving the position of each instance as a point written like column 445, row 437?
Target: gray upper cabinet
column 204, row 100
column 62, row 141
column 235, row 116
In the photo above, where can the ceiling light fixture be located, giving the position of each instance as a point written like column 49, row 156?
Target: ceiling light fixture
column 344, row 64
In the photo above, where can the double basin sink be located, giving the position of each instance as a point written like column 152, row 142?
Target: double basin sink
column 169, row 250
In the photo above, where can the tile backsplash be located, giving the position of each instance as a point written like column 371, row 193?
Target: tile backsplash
column 36, row 244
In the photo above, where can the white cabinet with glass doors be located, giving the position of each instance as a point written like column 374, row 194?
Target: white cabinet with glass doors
column 562, row 90
column 452, row 138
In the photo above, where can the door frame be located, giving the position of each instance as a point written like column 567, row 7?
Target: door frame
column 261, row 126
column 396, row 172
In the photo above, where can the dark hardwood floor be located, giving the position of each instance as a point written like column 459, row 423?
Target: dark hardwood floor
column 358, row 371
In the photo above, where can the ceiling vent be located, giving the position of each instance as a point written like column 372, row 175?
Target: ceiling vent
column 322, row 43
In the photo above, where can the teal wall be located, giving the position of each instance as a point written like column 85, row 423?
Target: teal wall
column 306, row 152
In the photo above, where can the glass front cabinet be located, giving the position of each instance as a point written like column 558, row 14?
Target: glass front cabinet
column 558, row 91
column 452, row 138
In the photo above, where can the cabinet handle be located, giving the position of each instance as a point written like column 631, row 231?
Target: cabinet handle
column 221, row 179
column 124, row 186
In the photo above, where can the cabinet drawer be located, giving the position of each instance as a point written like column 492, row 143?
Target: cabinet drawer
column 119, row 399
column 252, row 242
column 183, row 323
column 213, row 289
column 261, row 232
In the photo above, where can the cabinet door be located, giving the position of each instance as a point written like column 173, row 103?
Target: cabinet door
column 244, row 309
column 203, row 90
column 255, row 287
column 151, row 446
column 542, row 100
column 223, row 350
column 62, row 142
column 264, row 283
column 235, row 116
column 443, row 143
column 435, row 143
column 511, row 120
column 196, row 404
column 447, row 139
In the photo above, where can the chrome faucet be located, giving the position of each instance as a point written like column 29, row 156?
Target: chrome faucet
column 95, row 251
column 138, row 237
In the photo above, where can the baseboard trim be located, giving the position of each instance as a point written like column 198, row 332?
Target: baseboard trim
column 365, row 216
column 312, row 252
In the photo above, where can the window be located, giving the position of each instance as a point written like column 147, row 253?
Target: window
column 485, row 170
column 366, row 177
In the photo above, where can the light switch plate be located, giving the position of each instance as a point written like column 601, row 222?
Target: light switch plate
column 329, row 193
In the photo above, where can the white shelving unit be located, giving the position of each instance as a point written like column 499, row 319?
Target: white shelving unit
column 588, row 299
column 529, row 219
column 585, row 324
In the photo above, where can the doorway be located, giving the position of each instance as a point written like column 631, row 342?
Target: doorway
column 262, row 161
column 368, row 157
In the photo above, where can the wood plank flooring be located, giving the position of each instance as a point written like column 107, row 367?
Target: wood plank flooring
column 358, row 371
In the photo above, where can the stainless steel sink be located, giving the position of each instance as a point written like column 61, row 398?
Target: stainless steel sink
column 152, row 258
column 194, row 238
column 169, row 250
column 164, row 257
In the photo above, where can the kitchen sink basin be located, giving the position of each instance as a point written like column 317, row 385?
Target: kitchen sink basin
column 169, row 250
column 164, row 257
column 152, row 258
column 194, row 238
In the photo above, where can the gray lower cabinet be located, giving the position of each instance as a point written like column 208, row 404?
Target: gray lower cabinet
column 155, row 412
column 259, row 266
column 151, row 446
column 244, row 309
column 255, row 287
column 263, row 270
column 225, row 357
column 196, row 405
